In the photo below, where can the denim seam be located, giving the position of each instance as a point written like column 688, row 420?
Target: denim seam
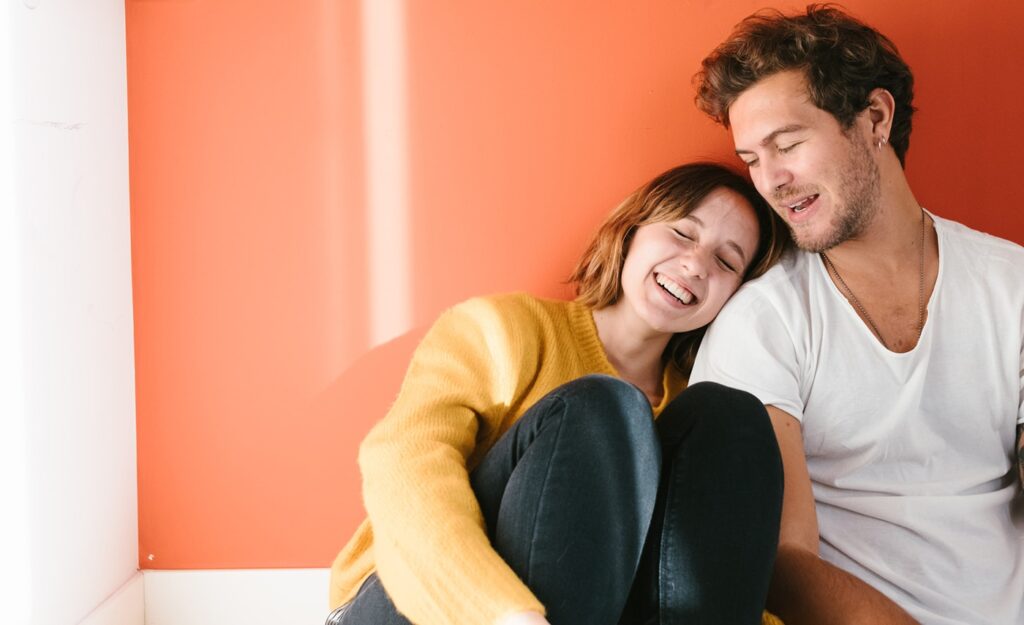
column 663, row 577
column 547, row 474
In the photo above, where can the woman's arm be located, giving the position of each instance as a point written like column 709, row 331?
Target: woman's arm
column 430, row 545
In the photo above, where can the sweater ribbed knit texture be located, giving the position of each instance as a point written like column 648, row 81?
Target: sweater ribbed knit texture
column 481, row 366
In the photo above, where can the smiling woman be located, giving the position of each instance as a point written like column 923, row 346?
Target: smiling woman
column 512, row 401
column 699, row 259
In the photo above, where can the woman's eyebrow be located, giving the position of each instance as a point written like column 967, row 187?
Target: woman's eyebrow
column 730, row 243
column 739, row 250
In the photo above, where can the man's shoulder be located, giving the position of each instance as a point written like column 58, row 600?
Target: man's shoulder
column 785, row 283
column 781, row 300
column 756, row 343
column 980, row 245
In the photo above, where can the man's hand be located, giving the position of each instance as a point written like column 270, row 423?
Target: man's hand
column 807, row 589
column 1020, row 454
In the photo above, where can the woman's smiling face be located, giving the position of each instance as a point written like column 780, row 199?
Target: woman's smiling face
column 678, row 274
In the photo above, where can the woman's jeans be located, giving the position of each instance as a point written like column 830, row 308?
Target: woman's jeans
column 610, row 517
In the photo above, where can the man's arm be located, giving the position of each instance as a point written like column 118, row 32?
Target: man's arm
column 806, row 590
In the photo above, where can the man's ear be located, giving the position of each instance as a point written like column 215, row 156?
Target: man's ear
column 880, row 110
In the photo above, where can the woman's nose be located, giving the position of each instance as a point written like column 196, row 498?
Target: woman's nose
column 695, row 265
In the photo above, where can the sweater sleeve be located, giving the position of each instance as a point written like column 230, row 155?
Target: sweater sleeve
column 430, row 546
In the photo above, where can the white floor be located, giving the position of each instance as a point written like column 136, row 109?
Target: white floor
column 125, row 607
column 232, row 597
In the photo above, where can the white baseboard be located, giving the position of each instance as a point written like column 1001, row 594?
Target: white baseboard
column 235, row 597
column 127, row 606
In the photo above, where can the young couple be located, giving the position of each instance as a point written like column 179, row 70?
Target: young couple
column 581, row 462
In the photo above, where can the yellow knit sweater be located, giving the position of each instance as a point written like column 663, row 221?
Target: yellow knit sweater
column 479, row 368
column 482, row 365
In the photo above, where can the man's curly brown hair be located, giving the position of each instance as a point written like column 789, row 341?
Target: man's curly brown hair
column 842, row 58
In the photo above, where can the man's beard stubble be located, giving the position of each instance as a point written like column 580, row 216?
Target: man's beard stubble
column 857, row 201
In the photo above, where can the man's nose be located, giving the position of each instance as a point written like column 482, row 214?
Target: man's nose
column 774, row 177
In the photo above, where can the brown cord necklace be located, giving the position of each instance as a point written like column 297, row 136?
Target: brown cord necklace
column 860, row 307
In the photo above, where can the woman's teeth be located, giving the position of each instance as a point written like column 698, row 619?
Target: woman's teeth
column 675, row 290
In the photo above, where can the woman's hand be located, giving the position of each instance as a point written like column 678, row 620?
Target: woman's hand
column 523, row 618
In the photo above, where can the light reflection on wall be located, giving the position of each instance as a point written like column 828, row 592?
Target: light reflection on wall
column 387, row 181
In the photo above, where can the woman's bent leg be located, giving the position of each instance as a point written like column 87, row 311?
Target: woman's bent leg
column 567, row 495
column 719, row 508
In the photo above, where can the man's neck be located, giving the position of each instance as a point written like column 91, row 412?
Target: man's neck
column 891, row 240
column 889, row 270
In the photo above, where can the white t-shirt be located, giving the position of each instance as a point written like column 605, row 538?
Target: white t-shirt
column 911, row 456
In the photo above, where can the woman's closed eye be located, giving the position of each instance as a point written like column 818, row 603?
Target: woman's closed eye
column 725, row 264
column 683, row 235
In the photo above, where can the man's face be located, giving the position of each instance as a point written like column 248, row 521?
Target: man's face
column 822, row 180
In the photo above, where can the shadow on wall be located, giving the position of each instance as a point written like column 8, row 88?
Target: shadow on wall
column 340, row 418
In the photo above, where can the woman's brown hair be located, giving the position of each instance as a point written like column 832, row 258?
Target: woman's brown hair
column 669, row 197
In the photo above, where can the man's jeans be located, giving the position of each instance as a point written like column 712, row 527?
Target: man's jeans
column 610, row 517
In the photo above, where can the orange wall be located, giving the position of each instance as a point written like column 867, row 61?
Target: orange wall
column 527, row 121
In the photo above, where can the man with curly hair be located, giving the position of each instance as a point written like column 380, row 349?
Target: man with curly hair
column 889, row 349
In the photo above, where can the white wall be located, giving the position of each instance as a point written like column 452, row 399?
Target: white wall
column 237, row 597
column 66, row 288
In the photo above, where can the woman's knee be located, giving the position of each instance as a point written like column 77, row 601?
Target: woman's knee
column 712, row 395
column 612, row 416
column 722, row 411
column 719, row 423
column 726, row 433
column 617, row 402
column 602, row 388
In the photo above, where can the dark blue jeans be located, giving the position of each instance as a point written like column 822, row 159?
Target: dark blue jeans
column 610, row 517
